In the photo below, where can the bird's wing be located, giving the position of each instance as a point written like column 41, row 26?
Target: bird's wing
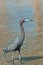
column 14, row 44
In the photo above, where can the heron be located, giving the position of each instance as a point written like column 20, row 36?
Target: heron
column 16, row 45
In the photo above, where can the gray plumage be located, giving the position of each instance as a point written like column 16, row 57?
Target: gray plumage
column 15, row 45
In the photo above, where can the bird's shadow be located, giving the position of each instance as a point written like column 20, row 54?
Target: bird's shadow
column 30, row 58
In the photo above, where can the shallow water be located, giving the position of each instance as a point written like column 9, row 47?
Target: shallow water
column 12, row 11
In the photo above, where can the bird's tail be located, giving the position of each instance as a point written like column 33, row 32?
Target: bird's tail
column 4, row 51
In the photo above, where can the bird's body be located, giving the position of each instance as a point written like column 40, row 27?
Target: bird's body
column 15, row 45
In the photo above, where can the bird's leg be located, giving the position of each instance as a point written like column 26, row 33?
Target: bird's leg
column 13, row 57
column 19, row 56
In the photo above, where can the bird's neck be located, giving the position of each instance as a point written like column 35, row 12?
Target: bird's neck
column 22, row 32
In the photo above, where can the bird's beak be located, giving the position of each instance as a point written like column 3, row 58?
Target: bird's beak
column 26, row 20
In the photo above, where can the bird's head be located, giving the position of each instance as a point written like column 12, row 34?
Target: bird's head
column 21, row 21
column 24, row 20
